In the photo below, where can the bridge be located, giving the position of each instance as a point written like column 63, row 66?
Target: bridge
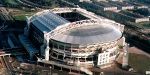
column 12, row 51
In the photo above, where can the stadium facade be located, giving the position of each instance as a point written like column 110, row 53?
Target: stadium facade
column 75, row 37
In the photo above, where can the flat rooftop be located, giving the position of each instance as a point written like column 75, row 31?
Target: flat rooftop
column 131, row 14
column 104, row 4
column 92, row 5
column 135, row 3
column 120, row 3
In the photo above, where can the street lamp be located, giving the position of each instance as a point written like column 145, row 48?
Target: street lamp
column 101, row 73
column 38, row 59
column 18, row 68
column 10, row 59
column 50, row 70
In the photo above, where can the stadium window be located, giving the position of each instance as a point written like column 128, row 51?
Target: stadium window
column 54, row 55
column 75, row 51
column 60, row 57
column 82, row 59
column 68, row 48
column 111, row 54
column 61, row 47
column 55, row 45
column 89, row 59
column 67, row 58
column 50, row 44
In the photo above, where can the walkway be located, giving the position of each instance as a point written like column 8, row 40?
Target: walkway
column 28, row 45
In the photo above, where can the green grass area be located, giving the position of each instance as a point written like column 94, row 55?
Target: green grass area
column 140, row 63
column 21, row 14
column 20, row 17
column 12, row 2
column 145, row 24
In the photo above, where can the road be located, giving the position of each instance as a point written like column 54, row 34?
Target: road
column 138, row 51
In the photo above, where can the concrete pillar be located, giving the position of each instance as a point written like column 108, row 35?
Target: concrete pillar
column 46, row 36
column 47, row 53
column 125, row 57
column 31, row 56
column 42, row 48
column 123, row 41
column 10, row 42
column 26, row 29
column 64, row 53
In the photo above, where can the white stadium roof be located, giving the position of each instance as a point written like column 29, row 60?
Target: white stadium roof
column 48, row 21
column 89, row 35
column 100, row 32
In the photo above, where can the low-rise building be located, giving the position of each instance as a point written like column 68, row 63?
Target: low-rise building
column 138, row 5
column 84, row 0
column 122, row 5
column 106, row 6
column 134, row 17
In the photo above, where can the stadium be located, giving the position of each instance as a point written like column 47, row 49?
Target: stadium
column 74, row 37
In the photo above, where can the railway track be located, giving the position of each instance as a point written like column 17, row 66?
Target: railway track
column 14, row 51
column 5, row 18
column 30, row 4
column 5, row 14
column 6, row 64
